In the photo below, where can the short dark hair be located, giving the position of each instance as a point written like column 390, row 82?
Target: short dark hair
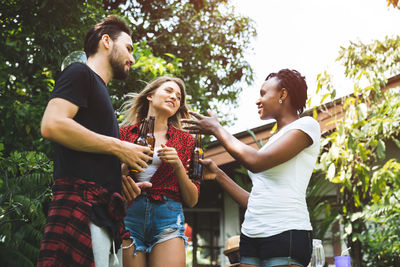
column 295, row 84
column 111, row 25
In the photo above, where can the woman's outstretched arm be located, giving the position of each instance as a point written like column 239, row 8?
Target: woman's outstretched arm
column 288, row 146
column 212, row 172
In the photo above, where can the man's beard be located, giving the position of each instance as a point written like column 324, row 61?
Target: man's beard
column 118, row 66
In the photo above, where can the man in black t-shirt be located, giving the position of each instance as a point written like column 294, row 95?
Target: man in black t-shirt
column 85, row 217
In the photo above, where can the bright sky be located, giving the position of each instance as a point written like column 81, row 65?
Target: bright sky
column 306, row 35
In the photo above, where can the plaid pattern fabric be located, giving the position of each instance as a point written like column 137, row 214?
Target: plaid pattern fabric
column 164, row 179
column 67, row 239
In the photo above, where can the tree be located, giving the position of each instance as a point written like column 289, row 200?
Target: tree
column 38, row 34
column 355, row 155
column 208, row 36
column 24, row 192
column 203, row 42
column 394, row 3
column 32, row 50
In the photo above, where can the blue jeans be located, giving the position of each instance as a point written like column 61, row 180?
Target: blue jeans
column 152, row 222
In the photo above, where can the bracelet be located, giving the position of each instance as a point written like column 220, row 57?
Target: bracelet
column 130, row 245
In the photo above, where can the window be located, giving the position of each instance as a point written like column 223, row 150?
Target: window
column 203, row 232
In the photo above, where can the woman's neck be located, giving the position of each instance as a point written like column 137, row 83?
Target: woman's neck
column 160, row 131
column 285, row 120
column 161, row 126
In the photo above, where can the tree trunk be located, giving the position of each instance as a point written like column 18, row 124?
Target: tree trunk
column 355, row 251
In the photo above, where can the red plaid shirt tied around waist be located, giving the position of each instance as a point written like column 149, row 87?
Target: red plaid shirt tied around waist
column 164, row 179
column 67, row 240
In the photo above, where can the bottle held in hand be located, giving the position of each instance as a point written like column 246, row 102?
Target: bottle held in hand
column 141, row 140
column 146, row 136
column 196, row 169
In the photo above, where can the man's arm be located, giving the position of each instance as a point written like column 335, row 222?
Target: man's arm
column 58, row 125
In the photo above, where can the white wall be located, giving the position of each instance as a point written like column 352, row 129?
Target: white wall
column 231, row 223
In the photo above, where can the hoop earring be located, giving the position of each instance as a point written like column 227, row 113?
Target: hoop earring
column 280, row 101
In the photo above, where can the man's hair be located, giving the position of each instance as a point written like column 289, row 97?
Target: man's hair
column 111, row 25
column 295, row 84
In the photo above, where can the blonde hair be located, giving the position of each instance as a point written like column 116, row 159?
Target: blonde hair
column 135, row 109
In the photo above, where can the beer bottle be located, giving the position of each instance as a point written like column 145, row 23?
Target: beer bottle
column 196, row 169
column 141, row 140
column 150, row 138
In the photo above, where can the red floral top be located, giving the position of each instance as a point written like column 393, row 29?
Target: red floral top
column 164, row 179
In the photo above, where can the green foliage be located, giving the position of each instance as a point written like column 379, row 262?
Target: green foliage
column 24, row 186
column 202, row 42
column 242, row 179
column 382, row 228
column 209, row 37
column 35, row 40
column 33, row 49
column 355, row 155
column 320, row 205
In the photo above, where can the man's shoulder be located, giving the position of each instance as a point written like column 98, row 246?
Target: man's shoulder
column 76, row 69
column 77, row 66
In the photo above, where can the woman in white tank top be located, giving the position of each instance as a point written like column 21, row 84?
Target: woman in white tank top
column 276, row 230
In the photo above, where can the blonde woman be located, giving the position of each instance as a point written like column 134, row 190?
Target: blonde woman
column 155, row 218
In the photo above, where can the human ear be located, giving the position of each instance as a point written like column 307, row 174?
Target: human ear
column 283, row 94
column 106, row 41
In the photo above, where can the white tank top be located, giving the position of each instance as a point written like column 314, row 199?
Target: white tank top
column 277, row 201
column 149, row 171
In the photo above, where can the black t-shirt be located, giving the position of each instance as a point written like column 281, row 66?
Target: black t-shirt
column 83, row 87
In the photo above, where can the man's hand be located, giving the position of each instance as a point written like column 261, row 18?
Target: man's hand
column 130, row 189
column 135, row 156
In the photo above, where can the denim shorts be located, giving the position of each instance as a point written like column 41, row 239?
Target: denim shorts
column 289, row 247
column 152, row 222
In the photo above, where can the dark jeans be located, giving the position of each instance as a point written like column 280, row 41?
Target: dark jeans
column 296, row 244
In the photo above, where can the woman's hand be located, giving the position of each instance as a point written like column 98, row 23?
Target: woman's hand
column 169, row 155
column 130, row 189
column 210, row 169
column 203, row 124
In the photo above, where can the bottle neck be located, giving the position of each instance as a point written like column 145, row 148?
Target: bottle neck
column 150, row 127
column 198, row 140
column 143, row 128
